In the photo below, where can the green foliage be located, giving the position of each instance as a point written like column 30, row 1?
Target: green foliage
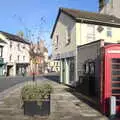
column 36, row 92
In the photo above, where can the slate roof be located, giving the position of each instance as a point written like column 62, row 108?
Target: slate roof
column 77, row 14
column 14, row 37
column 88, row 17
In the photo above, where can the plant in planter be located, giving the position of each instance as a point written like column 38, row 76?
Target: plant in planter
column 36, row 99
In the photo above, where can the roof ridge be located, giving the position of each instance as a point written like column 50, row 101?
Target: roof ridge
column 91, row 12
column 14, row 37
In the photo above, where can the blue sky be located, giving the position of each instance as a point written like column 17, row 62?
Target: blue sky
column 17, row 15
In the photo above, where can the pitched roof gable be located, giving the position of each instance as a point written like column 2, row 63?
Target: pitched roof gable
column 14, row 37
column 88, row 17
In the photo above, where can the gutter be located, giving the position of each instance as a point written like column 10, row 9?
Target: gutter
column 97, row 21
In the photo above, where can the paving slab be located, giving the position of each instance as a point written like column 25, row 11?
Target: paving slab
column 64, row 105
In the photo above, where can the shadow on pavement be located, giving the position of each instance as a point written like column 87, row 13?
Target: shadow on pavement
column 54, row 77
column 82, row 98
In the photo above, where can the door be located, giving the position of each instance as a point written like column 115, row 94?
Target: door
column 71, row 69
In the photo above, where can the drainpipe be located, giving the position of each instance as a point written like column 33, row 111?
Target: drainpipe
column 76, row 54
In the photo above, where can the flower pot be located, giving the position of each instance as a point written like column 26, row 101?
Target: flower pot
column 32, row 108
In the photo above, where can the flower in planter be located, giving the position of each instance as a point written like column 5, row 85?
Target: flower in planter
column 36, row 92
column 36, row 99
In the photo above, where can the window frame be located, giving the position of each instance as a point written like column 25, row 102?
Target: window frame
column 11, row 44
column 109, row 32
column 1, row 51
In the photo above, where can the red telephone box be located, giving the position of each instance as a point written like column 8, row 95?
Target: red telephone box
column 111, row 76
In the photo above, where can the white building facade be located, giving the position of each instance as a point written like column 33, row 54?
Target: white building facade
column 16, row 54
column 73, row 28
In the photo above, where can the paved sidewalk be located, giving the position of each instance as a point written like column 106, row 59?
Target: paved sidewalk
column 64, row 105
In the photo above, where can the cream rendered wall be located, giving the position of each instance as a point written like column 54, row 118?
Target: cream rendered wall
column 60, row 30
column 81, row 34
column 14, row 51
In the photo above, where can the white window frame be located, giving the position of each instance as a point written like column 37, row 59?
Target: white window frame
column 90, row 33
column 109, row 30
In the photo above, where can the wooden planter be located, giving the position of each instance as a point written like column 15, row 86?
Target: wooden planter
column 32, row 108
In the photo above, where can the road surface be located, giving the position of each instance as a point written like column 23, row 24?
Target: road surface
column 8, row 82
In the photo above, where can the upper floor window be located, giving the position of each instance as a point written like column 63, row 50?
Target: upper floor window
column 90, row 33
column 18, row 57
column 23, row 46
column 10, row 58
column 18, row 46
column 23, row 58
column 68, row 34
column 56, row 41
column 109, row 32
column 10, row 44
column 1, row 51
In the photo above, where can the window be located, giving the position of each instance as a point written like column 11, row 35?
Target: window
column 90, row 33
column 23, row 46
column 1, row 51
column 23, row 58
column 56, row 41
column 109, row 32
column 10, row 44
column 89, row 67
column 68, row 35
column 86, row 68
column 92, row 67
column 10, row 58
column 18, row 46
column 18, row 58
